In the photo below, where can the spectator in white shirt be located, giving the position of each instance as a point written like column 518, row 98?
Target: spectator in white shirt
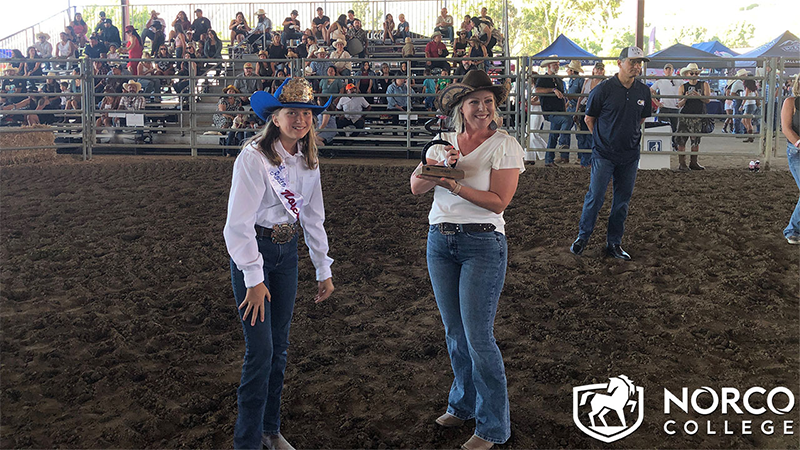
column 351, row 105
column 664, row 87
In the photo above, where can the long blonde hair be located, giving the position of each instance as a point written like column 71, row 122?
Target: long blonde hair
column 271, row 133
column 796, row 86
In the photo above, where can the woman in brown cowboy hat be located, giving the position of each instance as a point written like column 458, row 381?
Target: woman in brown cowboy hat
column 468, row 215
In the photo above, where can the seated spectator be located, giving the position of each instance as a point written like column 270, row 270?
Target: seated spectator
column 477, row 49
column 185, row 24
column 402, row 28
column 467, row 26
column 100, row 23
column 212, row 47
column 436, row 49
column 330, row 86
column 397, row 99
column 388, row 29
column 264, row 69
column 326, row 122
column 351, row 18
column 403, row 71
column 133, row 48
column 50, row 84
column 132, row 101
column 95, row 49
column 338, row 29
column 383, row 82
column 147, row 70
column 108, row 103
column 485, row 18
column 228, row 104
column 429, row 87
column 43, row 46
column 444, row 24
column 68, row 102
column 71, row 34
column 342, row 67
column 262, row 33
column 306, row 44
column 319, row 65
column 32, row 67
column 460, row 44
column 320, row 26
column 465, row 66
column 164, row 67
column 110, row 34
column 80, row 28
column 276, row 50
column 365, row 84
column 352, row 105
column 200, row 26
column 442, row 82
column 114, row 74
column 239, row 28
column 291, row 29
column 358, row 33
column 246, row 82
column 408, row 49
column 113, row 52
column 64, row 49
column 187, row 68
column 45, row 103
column 154, row 29
column 280, row 76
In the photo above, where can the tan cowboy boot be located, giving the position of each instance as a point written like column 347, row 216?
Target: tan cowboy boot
column 682, row 164
column 448, row 420
column 476, row 443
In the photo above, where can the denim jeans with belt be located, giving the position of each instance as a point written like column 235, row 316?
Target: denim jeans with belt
column 793, row 155
column 467, row 272
column 557, row 123
column 624, row 176
column 259, row 393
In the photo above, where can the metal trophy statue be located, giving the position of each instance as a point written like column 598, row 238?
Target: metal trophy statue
column 435, row 127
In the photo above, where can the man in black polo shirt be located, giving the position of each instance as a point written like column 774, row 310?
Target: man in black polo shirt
column 615, row 112
column 95, row 49
column 291, row 29
column 200, row 26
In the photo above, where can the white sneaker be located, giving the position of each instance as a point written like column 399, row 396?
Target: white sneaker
column 793, row 239
column 276, row 442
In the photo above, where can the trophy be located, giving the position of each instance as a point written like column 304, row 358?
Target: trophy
column 437, row 171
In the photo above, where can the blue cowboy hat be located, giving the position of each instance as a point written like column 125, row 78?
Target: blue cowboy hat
column 299, row 94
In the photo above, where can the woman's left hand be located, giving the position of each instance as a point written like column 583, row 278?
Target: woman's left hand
column 447, row 183
column 324, row 290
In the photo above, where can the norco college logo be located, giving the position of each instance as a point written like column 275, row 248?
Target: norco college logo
column 600, row 399
column 591, row 405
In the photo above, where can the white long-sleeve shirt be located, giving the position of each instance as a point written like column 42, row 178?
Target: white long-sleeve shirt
column 252, row 201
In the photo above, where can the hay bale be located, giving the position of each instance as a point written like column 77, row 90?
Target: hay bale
column 8, row 141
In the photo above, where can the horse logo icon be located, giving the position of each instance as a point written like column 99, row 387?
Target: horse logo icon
column 654, row 146
column 614, row 396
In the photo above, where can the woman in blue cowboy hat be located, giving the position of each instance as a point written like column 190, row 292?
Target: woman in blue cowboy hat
column 275, row 189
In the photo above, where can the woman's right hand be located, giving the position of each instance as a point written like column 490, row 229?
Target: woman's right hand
column 254, row 302
column 452, row 156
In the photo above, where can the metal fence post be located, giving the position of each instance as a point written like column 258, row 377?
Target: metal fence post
column 192, row 110
column 408, row 109
column 87, row 91
column 768, row 119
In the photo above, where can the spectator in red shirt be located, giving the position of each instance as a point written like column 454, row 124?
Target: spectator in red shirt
column 436, row 49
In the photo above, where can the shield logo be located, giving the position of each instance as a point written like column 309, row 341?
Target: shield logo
column 592, row 403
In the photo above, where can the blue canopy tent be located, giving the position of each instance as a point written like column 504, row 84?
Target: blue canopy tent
column 715, row 48
column 566, row 50
column 786, row 46
column 680, row 55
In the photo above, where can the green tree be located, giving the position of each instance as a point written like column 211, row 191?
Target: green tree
column 139, row 15
column 691, row 35
column 739, row 35
column 627, row 39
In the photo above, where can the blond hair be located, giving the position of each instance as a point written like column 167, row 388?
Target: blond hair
column 264, row 141
column 796, row 86
column 457, row 117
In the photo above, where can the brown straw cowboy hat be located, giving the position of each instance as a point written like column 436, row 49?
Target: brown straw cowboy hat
column 474, row 81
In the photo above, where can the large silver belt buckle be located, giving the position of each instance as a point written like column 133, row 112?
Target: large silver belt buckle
column 282, row 233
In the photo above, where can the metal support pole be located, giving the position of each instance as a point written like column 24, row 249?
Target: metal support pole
column 408, row 109
column 192, row 111
column 768, row 119
column 87, row 107
column 640, row 23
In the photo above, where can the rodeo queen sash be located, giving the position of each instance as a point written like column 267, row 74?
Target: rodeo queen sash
column 279, row 181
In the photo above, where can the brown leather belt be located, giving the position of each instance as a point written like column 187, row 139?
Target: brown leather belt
column 453, row 228
column 281, row 233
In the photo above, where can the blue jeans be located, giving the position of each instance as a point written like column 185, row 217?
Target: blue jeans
column 557, row 123
column 793, row 155
column 603, row 171
column 585, row 141
column 467, row 272
column 738, row 126
column 259, row 393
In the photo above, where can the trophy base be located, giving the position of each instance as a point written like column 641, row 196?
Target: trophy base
column 440, row 172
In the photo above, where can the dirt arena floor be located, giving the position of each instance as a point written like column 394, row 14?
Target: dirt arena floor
column 119, row 328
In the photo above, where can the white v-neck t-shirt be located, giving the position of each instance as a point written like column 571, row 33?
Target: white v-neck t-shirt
column 500, row 151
